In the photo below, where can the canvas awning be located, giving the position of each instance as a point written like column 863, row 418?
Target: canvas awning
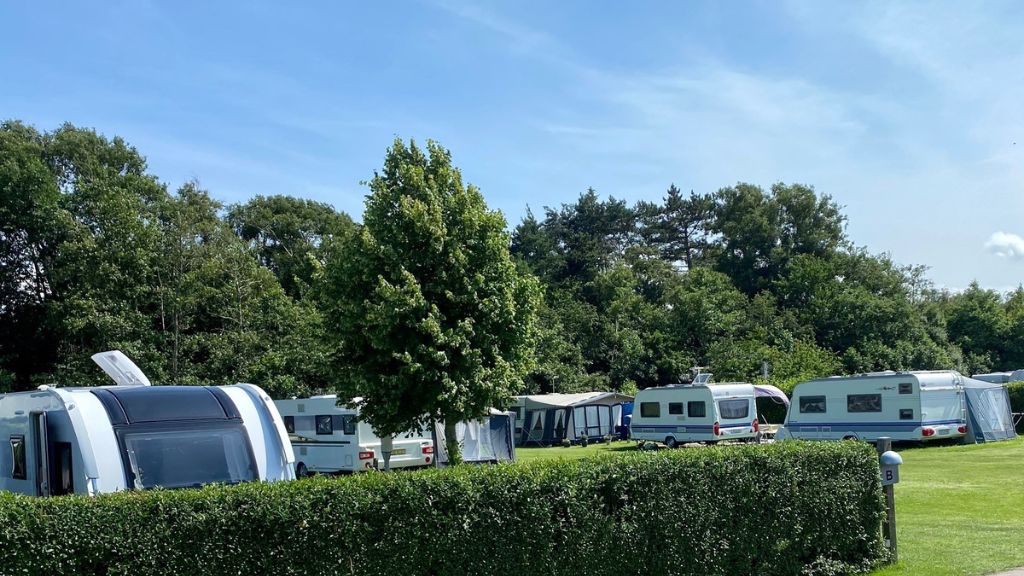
column 769, row 391
column 546, row 401
column 988, row 407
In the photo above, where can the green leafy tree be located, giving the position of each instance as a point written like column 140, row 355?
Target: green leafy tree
column 431, row 316
column 288, row 235
column 680, row 227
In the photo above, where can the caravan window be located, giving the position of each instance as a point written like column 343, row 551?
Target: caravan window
column 650, row 409
column 347, row 424
column 864, row 403
column 675, row 407
column 62, row 481
column 169, row 457
column 19, row 466
column 289, row 424
column 696, row 409
column 734, row 409
column 324, row 425
column 906, row 413
column 906, row 388
column 812, row 404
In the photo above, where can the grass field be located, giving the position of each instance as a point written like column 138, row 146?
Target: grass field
column 959, row 509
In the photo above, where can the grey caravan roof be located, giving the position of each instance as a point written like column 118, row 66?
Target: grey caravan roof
column 925, row 378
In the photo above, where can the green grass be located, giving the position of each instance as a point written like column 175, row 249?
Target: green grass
column 959, row 509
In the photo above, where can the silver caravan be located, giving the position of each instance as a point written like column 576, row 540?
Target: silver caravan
column 136, row 436
column 695, row 413
column 905, row 406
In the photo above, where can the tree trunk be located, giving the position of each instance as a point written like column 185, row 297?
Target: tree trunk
column 451, row 441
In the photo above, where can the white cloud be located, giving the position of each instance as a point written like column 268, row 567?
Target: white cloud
column 1006, row 245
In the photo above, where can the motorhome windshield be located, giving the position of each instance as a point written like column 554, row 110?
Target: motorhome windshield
column 182, row 458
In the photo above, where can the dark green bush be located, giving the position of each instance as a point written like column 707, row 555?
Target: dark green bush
column 1017, row 401
column 718, row 511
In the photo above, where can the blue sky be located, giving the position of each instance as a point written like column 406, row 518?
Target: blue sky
column 910, row 115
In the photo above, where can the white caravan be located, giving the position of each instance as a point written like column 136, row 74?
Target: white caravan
column 904, row 406
column 136, row 436
column 328, row 438
column 695, row 413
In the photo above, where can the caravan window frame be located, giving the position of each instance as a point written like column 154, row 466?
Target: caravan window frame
column 863, row 403
column 19, row 459
column 644, row 410
column 323, row 431
column 807, row 401
column 691, row 413
column 675, row 408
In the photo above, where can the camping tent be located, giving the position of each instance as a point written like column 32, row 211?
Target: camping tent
column 488, row 440
column 551, row 418
column 988, row 408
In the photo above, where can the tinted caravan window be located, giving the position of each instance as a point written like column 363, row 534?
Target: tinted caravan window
column 864, row 403
column 812, row 404
column 324, row 424
column 176, row 458
column 19, row 466
column 675, row 407
column 346, row 423
column 650, row 409
column 289, row 424
column 734, row 409
column 696, row 409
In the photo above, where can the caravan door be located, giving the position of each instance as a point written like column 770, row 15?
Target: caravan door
column 40, row 448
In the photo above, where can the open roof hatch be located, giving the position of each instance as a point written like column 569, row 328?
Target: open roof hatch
column 120, row 368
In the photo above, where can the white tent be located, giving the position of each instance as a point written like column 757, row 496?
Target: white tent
column 550, row 418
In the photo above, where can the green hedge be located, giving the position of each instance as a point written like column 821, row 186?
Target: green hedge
column 1017, row 401
column 788, row 508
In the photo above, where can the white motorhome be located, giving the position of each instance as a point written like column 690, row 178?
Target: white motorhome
column 904, row 406
column 695, row 413
column 330, row 438
column 136, row 436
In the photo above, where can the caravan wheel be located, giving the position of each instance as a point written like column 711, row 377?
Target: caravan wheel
column 301, row 471
column 671, row 442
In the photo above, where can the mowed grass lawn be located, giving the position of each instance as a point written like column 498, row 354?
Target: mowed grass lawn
column 959, row 509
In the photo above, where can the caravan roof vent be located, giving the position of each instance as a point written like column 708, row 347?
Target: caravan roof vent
column 120, row 368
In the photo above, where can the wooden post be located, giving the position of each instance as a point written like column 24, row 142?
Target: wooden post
column 883, row 445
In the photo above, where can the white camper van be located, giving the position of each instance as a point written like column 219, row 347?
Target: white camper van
column 695, row 413
column 905, row 406
column 328, row 438
column 136, row 436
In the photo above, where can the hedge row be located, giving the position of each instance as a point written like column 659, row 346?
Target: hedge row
column 1017, row 401
column 791, row 508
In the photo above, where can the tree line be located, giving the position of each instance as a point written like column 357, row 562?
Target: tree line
column 97, row 253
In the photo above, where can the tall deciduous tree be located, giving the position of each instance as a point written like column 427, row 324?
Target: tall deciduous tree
column 431, row 316
column 288, row 234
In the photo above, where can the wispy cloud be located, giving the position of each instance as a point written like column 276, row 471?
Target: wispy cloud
column 1006, row 245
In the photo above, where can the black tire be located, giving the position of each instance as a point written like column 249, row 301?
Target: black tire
column 301, row 471
column 671, row 442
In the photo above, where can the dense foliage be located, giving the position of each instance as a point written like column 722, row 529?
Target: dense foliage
column 96, row 253
column 773, row 510
column 431, row 317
